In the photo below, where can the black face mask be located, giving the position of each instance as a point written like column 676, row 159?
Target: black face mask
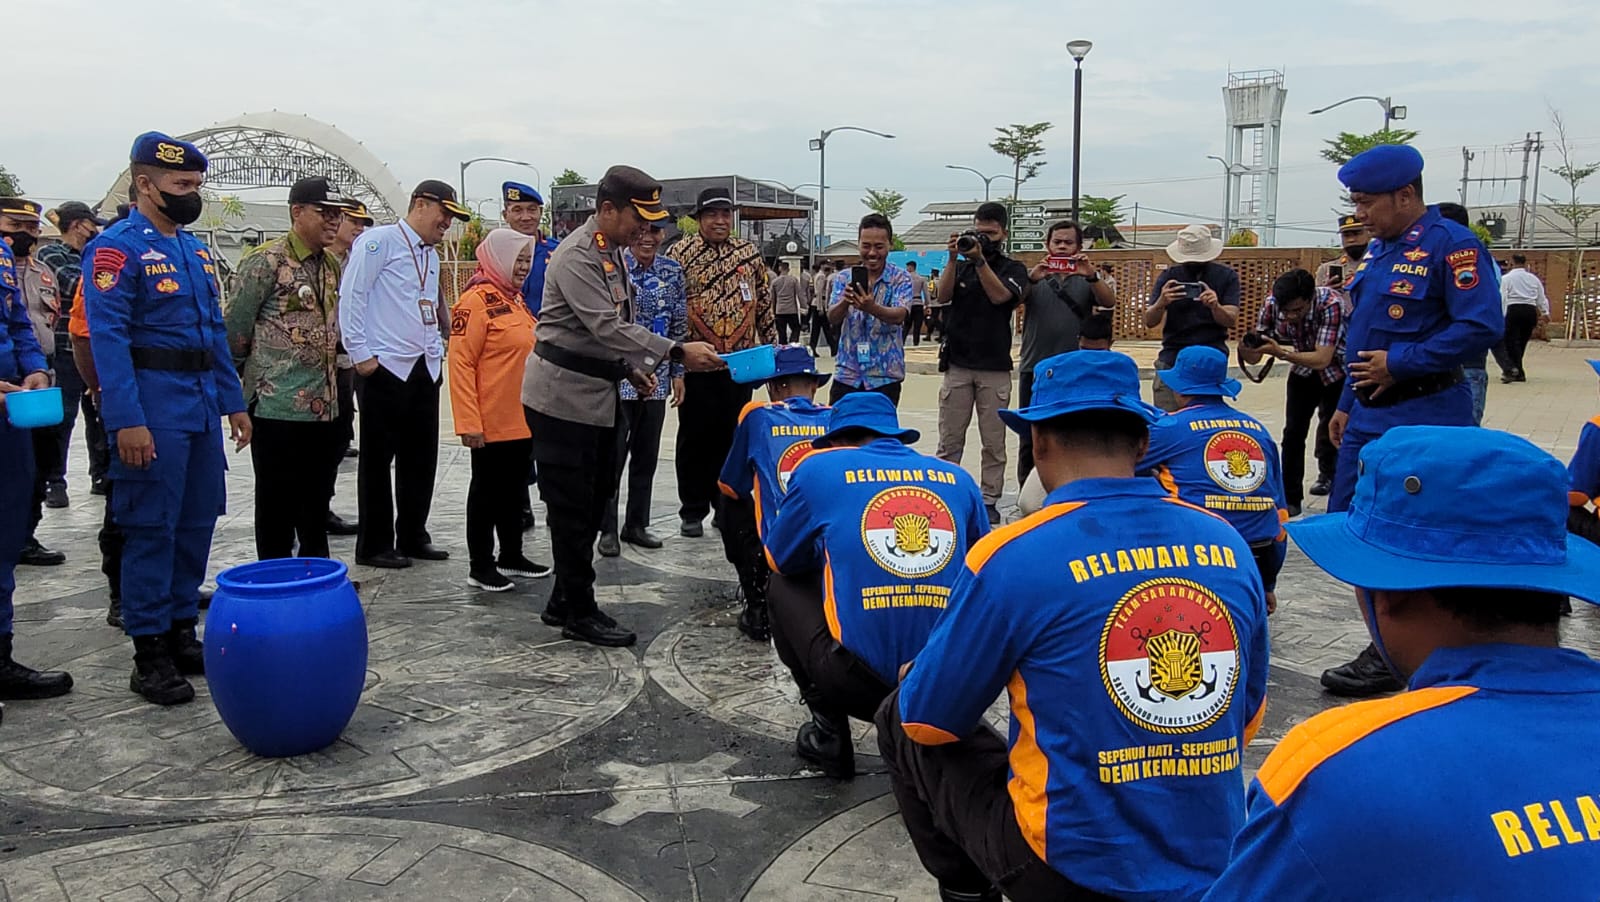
column 21, row 243
column 1355, row 251
column 182, row 208
column 1196, row 270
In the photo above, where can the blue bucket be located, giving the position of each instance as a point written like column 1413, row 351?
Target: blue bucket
column 754, row 365
column 32, row 409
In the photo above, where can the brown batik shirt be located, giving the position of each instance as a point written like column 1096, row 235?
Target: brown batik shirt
column 730, row 305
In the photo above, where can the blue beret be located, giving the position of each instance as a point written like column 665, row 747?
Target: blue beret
column 166, row 152
column 514, row 192
column 1381, row 169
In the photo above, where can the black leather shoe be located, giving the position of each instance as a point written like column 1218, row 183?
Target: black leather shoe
column 597, row 631
column 427, row 552
column 114, row 613
column 155, row 676
column 692, row 529
column 55, row 495
column 825, row 741
column 21, row 683
column 205, row 600
column 36, row 555
column 1322, row 486
column 643, row 538
column 608, row 545
column 754, row 624
column 97, row 486
column 185, row 650
column 1365, row 676
column 339, row 526
column 385, row 560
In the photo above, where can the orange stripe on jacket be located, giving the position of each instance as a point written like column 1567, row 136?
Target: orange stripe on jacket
column 1254, row 726
column 1320, row 738
column 986, row 547
column 1030, row 770
column 1164, row 476
column 830, row 607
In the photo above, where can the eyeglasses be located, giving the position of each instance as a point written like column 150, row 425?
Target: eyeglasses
column 330, row 214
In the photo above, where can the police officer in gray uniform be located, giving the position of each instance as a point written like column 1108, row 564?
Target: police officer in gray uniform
column 587, row 342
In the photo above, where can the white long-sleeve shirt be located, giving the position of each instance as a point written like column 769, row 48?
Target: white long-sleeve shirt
column 1522, row 287
column 389, row 301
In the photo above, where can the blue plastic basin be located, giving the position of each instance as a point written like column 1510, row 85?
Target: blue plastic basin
column 32, row 409
column 753, row 365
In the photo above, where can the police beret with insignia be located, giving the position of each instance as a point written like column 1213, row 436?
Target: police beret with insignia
column 1382, row 169
column 22, row 207
column 166, row 152
column 516, row 192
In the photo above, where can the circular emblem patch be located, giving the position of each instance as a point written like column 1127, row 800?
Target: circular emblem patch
column 789, row 459
column 909, row 531
column 1236, row 462
column 1396, row 311
column 1169, row 656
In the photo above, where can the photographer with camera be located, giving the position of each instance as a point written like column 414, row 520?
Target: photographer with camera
column 1199, row 298
column 1303, row 325
column 982, row 287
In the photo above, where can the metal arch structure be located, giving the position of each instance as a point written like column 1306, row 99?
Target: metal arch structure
column 276, row 149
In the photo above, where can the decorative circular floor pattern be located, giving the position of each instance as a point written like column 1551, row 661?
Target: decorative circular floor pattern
column 859, row 854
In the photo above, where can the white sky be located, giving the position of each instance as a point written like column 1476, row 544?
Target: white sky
column 685, row 88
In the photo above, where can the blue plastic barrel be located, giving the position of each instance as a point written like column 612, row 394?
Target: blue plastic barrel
column 34, row 408
column 286, row 654
column 754, row 365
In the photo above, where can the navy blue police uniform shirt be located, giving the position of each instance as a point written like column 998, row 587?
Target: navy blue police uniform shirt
column 20, row 353
column 533, row 285
column 1222, row 459
column 143, row 289
column 770, row 442
column 1429, row 298
column 888, row 527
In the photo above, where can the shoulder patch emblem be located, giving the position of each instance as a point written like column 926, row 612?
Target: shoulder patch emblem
column 107, row 267
column 372, row 247
column 1463, row 268
column 458, row 321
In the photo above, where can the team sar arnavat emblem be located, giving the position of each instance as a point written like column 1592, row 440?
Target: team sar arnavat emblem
column 789, row 459
column 1169, row 656
column 909, row 531
column 1236, row 462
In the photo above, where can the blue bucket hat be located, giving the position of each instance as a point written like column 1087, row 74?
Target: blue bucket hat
column 1596, row 365
column 795, row 360
column 865, row 410
column 1201, row 372
column 1416, row 522
column 1082, row 380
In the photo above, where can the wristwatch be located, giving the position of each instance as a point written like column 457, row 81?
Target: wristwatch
column 676, row 354
column 1092, row 277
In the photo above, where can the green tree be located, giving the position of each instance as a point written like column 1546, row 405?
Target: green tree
column 1576, row 214
column 1483, row 233
column 568, row 177
column 221, row 209
column 1103, row 213
column 1348, row 144
column 471, row 235
column 1023, row 145
column 10, row 185
column 887, row 201
column 1243, row 238
column 688, row 225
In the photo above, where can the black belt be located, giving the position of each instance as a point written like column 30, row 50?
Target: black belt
column 1411, row 389
column 594, row 367
column 183, row 360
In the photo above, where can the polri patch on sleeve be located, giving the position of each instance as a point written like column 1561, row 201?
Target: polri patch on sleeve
column 107, row 267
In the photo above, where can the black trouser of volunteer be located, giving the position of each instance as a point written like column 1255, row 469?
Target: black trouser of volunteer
column 914, row 322
column 577, row 477
column 821, row 328
column 960, row 817
column 837, row 390
column 1304, row 397
column 346, row 386
column 111, row 540
column 706, row 423
column 296, row 463
column 494, row 500
column 1024, row 439
column 75, row 397
column 741, row 545
column 638, row 449
column 46, row 458
column 1269, row 555
column 832, row 680
column 788, row 328
column 399, row 426
column 1521, row 320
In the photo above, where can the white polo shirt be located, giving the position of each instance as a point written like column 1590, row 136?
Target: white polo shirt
column 389, row 301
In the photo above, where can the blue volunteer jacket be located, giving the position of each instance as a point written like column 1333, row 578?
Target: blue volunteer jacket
column 1478, row 783
column 1129, row 630
column 770, row 442
column 1584, row 470
column 888, row 528
column 1222, row 459
column 20, row 353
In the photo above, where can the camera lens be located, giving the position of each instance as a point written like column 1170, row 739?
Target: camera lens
column 966, row 244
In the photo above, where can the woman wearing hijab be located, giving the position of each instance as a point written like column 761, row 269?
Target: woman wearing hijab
column 491, row 334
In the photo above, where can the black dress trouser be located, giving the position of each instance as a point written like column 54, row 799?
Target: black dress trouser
column 639, row 450
column 399, row 426
column 494, row 500
column 1521, row 320
column 577, row 478
column 296, row 463
column 831, row 678
column 707, row 420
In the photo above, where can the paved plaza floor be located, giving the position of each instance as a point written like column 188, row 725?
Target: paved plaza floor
column 491, row 760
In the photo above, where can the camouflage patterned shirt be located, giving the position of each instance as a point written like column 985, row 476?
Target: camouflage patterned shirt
column 283, row 328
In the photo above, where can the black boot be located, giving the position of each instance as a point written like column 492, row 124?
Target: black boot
column 753, row 622
column 155, row 676
column 19, row 683
column 825, row 741
column 1366, row 675
column 188, row 655
column 754, row 579
column 114, row 612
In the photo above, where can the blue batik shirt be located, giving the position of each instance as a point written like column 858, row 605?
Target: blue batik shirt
column 661, row 304
column 872, row 353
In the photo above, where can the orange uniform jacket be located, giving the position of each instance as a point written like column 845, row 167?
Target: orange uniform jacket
column 491, row 334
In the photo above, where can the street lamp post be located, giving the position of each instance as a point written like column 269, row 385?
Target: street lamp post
column 1227, row 196
column 1079, row 49
column 1391, row 112
column 987, row 179
column 465, row 163
column 820, row 145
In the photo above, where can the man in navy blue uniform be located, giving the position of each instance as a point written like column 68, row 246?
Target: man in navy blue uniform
column 1477, row 783
column 866, row 547
column 167, row 379
column 22, row 367
column 1424, row 304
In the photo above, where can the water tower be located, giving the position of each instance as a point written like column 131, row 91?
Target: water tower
column 1255, row 121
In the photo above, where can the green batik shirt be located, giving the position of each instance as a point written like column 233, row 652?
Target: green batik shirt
column 283, row 327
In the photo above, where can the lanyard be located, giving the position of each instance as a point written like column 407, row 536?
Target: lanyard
column 417, row 261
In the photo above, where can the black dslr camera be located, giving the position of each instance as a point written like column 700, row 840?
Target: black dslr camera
column 971, row 240
column 1254, row 339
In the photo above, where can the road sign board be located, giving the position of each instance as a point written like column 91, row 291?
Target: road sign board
column 1027, row 246
column 1027, row 234
column 1026, row 221
column 1027, row 209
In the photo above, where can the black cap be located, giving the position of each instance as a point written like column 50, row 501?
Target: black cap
column 639, row 188
column 74, row 211
column 316, row 189
column 713, row 199
column 433, row 189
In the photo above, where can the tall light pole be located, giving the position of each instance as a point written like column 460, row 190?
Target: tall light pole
column 465, row 163
column 1391, row 112
column 987, row 179
column 1079, row 49
column 820, row 145
column 1227, row 196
